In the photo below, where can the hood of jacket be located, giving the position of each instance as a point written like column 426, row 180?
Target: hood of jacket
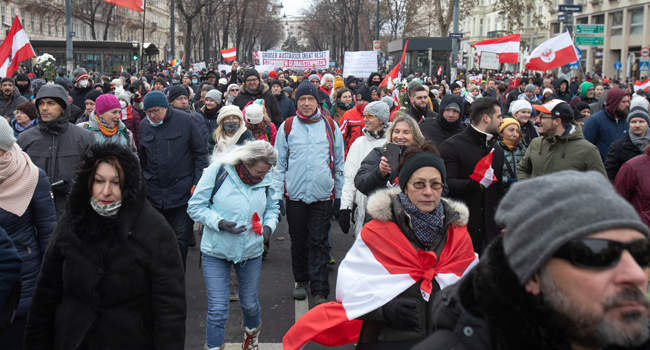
column 59, row 124
column 559, row 82
column 370, row 78
column 83, row 219
column 449, row 98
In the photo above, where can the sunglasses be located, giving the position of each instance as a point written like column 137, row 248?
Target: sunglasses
column 591, row 253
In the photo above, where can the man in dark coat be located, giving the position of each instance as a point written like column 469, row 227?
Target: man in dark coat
column 542, row 284
column 287, row 107
column 81, row 88
column 173, row 155
column 631, row 145
column 254, row 89
column 514, row 94
column 419, row 109
column 610, row 124
column 446, row 125
column 461, row 154
column 10, row 97
column 562, row 90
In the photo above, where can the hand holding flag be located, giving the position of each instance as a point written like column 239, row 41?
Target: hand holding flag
column 257, row 224
column 483, row 172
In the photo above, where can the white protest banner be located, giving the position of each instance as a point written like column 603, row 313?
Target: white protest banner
column 198, row 66
column 295, row 60
column 226, row 67
column 264, row 68
column 359, row 63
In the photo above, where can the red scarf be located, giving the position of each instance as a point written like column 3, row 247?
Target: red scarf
column 127, row 113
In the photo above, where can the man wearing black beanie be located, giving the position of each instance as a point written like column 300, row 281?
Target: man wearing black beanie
column 24, row 86
column 254, row 89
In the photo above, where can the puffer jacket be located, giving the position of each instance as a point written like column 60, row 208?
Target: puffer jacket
column 270, row 102
column 237, row 202
column 287, row 108
column 385, row 206
column 620, row 152
column 56, row 146
column 11, row 265
column 552, row 153
column 633, row 183
column 511, row 159
column 30, row 233
column 602, row 129
column 438, row 129
column 8, row 106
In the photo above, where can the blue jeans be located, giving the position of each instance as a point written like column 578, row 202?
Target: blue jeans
column 182, row 224
column 216, row 273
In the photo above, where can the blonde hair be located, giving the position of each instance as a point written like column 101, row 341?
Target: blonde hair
column 219, row 131
column 418, row 138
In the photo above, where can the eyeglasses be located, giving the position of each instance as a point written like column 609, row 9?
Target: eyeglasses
column 540, row 117
column 420, row 185
column 368, row 116
column 251, row 80
column 153, row 111
column 231, row 90
column 591, row 253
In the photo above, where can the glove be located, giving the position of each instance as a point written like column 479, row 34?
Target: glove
column 402, row 312
column 266, row 232
column 344, row 220
column 282, row 211
column 229, row 226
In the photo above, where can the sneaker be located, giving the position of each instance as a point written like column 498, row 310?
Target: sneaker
column 233, row 291
column 300, row 292
column 319, row 299
column 251, row 337
column 191, row 240
column 332, row 261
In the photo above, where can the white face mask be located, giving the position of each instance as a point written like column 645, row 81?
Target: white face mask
column 123, row 104
column 83, row 83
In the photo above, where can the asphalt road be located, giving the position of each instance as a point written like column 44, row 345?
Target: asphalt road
column 276, row 285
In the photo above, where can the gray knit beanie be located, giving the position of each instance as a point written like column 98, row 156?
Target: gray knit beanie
column 638, row 112
column 7, row 138
column 540, row 215
column 530, row 87
column 412, row 85
column 215, row 95
column 379, row 109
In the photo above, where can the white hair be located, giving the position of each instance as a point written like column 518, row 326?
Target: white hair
column 325, row 77
column 249, row 153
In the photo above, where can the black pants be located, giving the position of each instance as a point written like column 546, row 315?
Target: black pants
column 182, row 224
column 309, row 226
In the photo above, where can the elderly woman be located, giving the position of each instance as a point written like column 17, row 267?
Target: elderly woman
column 353, row 202
column 521, row 110
column 25, row 118
column 105, row 122
column 112, row 274
column 231, row 130
column 342, row 103
column 513, row 149
column 415, row 218
column 234, row 201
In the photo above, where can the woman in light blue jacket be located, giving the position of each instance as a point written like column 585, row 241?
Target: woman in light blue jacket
column 234, row 202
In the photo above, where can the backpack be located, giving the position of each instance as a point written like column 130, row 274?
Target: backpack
column 288, row 123
column 220, row 178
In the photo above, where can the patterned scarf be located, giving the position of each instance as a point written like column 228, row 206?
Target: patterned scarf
column 105, row 128
column 246, row 176
column 330, row 134
column 105, row 210
column 425, row 225
column 259, row 130
column 376, row 134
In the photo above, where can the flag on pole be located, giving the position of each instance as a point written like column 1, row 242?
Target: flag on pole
column 483, row 172
column 16, row 45
column 380, row 265
column 552, row 53
column 256, row 55
column 135, row 5
column 229, row 54
column 638, row 85
column 396, row 72
column 439, row 70
column 183, row 58
column 506, row 46
column 121, row 69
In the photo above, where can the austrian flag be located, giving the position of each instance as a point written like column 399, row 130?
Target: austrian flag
column 381, row 264
column 229, row 54
column 483, row 172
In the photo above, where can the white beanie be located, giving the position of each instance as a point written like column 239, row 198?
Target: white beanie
column 518, row 105
column 7, row 138
column 639, row 101
column 124, row 96
column 227, row 111
column 223, row 81
column 254, row 113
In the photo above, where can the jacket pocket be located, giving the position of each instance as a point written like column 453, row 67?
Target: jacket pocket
column 172, row 138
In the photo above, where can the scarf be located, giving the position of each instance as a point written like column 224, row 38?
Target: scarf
column 425, row 225
column 259, row 130
column 104, row 127
column 246, row 176
column 19, row 127
column 345, row 106
column 330, row 134
column 98, row 126
column 210, row 113
column 510, row 144
column 224, row 142
column 18, row 179
column 376, row 134
column 641, row 141
column 127, row 112
column 105, row 210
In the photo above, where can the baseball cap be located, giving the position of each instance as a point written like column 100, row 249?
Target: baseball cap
column 558, row 109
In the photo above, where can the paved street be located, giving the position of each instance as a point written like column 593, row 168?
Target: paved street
column 279, row 309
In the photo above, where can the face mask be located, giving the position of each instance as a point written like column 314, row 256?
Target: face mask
column 83, row 83
column 175, row 82
column 155, row 124
column 231, row 127
column 195, row 81
column 123, row 104
column 105, row 210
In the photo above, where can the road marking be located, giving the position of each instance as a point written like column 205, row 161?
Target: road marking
column 262, row 346
column 301, row 306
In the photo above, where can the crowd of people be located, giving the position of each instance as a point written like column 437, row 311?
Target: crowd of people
column 544, row 180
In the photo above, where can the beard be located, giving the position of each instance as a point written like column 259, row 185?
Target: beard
column 593, row 328
column 622, row 113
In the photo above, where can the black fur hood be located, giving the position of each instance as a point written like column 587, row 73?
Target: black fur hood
column 83, row 219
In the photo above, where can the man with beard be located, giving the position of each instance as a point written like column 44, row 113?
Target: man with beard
column 462, row 154
column 374, row 79
column 610, row 124
column 514, row 94
column 449, row 124
column 287, row 107
column 630, row 146
column 587, row 94
column 324, row 99
column 420, row 105
column 561, row 147
column 553, row 281
column 23, row 85
column 491, row 90
column 10, row 98
column 254, row 89
column 300, row 75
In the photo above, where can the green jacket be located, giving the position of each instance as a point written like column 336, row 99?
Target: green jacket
column 552, row 153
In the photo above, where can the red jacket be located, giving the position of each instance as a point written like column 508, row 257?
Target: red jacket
column 633, row 183
column 351, row 125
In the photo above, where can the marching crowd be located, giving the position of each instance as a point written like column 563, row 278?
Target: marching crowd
column 536, row 189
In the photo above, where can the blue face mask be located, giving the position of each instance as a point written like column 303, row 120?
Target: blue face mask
column 195, row 81
column 175, row 81
column 155, row 124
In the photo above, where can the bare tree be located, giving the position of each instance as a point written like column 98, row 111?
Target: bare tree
column 189, row 9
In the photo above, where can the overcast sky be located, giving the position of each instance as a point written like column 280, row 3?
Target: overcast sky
column 293, row 7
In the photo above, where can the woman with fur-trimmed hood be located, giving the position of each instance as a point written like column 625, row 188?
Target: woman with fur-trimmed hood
column 112, row 274
column 415, row 210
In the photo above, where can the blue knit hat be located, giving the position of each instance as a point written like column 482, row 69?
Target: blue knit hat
column 306, row 88
column 155, row 99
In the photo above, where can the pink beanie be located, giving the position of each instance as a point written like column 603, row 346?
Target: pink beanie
column 105, row 103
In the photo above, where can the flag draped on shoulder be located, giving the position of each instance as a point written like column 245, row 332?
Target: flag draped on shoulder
column 135, row 5
column 396, row 72
column 381, row 264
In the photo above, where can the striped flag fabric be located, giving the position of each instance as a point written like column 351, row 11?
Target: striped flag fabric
column 638, row 85
column 135, row 5
column 439, row 70
column 396, row 72
column 229, row 54
column 17, row 47
column 483, row 172
column 506, row 46
column 381, row 264
column 256, row 55
column 552, row 53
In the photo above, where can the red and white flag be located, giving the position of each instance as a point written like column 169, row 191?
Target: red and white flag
column 135, row 5
column 381, row 264
column 256, row 55
column 16, row 45
column 638, row 85
column 483, row 172
column 552, row 53
column 396, row 72
column 507, row 46
column 476, row 79
column 229, row 54
column 439, row 70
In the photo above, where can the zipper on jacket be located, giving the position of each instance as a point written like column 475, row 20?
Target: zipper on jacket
column 24, row 246
column 169, row 150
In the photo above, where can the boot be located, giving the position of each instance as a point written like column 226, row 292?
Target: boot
column 222, row 347
column 250, row 337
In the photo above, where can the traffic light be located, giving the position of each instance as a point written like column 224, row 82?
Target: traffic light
column 135, row 57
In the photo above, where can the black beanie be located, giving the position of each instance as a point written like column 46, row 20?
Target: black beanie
column 276, row 82
column 92, row 95
column 177, row 91
column 22, row 77
column 363, row 93
column 421, row 160
column 453, row 86
column 251, row 72
column 306, row 88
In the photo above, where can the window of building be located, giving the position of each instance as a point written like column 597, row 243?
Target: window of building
column 49, row 27
column 2, row 14
column 599, row 19
column 13, row 15
column 480, row 27
column 555, row 28
column 488, row 24
column 555, row 5
column 22, row 17
column 528, row 21
column 83, row 31
column 56, row 29
column 636, row 21
column 617, row 23
column 474, row 25
column 31, row 22
column 582, row 20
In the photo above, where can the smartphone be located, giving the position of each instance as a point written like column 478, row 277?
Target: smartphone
column 393, row 152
